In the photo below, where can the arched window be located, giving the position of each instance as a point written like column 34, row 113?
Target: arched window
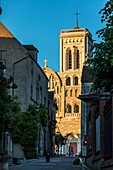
column 78, row 64
column 70, row 93
column 57, row 90
column 51, row 81
column 68, row 108
column 76, row 93
column 75, row 80
column 76, row 108
column 68, row 59
column 48, row 84
column 68, row 81
column 76, row 58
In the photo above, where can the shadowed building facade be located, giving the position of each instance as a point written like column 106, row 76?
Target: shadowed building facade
column 32, row 84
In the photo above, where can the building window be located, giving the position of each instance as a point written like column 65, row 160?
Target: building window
column 68, row 81
column 75, row 80
column 37, row 93
column 51, row 82
column 68, row 59
column 76, row 108
column 76, row 57
column 39, row 77
column 70, row 93
column 78, row 65
column 57, row 90
column 76, row 93
column 31, row 91
column 68, row 108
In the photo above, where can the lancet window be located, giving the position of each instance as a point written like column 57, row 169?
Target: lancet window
column 75, row 80
column 68, row 81
column 76, row 108
column 51, row 82
column 68, row 59
column 68, row 108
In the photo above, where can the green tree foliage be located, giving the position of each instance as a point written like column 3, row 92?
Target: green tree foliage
column 9, row 109
column 26, row 129
column 102, row 61
column 59, row 139
column 26, row 132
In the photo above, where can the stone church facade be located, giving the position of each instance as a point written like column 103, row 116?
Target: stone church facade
column 75, row 48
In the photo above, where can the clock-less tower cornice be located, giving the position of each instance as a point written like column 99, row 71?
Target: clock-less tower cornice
column 80, row 38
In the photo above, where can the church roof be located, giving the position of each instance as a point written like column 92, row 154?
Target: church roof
column 4, row 32
column 30, row 47
column 47, row 69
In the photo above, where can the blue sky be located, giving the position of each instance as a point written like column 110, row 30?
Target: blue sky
column 39, row 22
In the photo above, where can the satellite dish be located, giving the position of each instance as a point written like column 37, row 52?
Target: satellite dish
column 0, row 10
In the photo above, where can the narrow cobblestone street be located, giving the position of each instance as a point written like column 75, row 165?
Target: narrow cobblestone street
column 59, row 163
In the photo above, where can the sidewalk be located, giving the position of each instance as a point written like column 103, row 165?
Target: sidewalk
column 42, row 161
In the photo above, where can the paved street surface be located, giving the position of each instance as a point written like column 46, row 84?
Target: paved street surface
column 58, row 163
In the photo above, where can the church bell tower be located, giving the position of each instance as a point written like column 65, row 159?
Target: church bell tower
column 75, row 48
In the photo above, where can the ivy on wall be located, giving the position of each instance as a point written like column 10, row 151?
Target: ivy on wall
column 23, row 126
column 43, row 114
column 26, row 132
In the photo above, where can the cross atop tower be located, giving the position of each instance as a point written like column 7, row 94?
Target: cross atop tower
column 77, row 13
column 45, row 61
